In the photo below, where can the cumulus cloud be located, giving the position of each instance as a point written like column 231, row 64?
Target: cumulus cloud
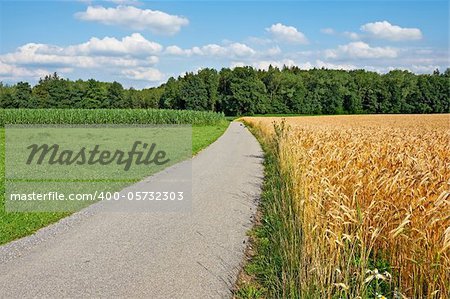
column 12, row 71
column 264, row 64
column 288, row 34
column 213, row 50
column 385, row 30
column 155, row 21
column 361, row 50
column 132, row 55
column 134, row 45
column 129, row 51
column 175, row 50
column 42, row 55
column 144, row 74
column 339, row 66
column 238, row 49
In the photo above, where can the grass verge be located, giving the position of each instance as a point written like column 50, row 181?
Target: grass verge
column 262, row 273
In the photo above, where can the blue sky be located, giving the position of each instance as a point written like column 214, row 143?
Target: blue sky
column 141, row 44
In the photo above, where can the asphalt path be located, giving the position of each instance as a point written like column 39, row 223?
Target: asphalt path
column 194, row 254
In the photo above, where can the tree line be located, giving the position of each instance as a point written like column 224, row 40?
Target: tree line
column 53, row 91
column 247, row 91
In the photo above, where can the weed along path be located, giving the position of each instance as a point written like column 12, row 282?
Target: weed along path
column 153, row 254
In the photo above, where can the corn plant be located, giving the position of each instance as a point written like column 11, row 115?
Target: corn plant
column 108, row 116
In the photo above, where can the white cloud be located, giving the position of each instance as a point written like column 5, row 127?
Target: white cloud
column 329, row 31
column 213, row 50
column 175, row 50
column 135, row 18
column 46, row 56
column 230, row 50
column 144, row 74
column 264, row 65
column 328, row 65
column 287, row 34
column 13, row 72
column 361, row 50
column 385, row 30
column 134, row 45
column 238, row 49
column 132, row 55
column 131, row 50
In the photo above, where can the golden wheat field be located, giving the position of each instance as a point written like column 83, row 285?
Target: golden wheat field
column 370, row 197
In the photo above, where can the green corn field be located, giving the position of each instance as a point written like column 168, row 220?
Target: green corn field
column 109, row 116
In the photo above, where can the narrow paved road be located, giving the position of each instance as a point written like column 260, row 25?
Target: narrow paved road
column 153, row 255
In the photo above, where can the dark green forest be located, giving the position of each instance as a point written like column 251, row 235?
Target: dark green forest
column 247, row 91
